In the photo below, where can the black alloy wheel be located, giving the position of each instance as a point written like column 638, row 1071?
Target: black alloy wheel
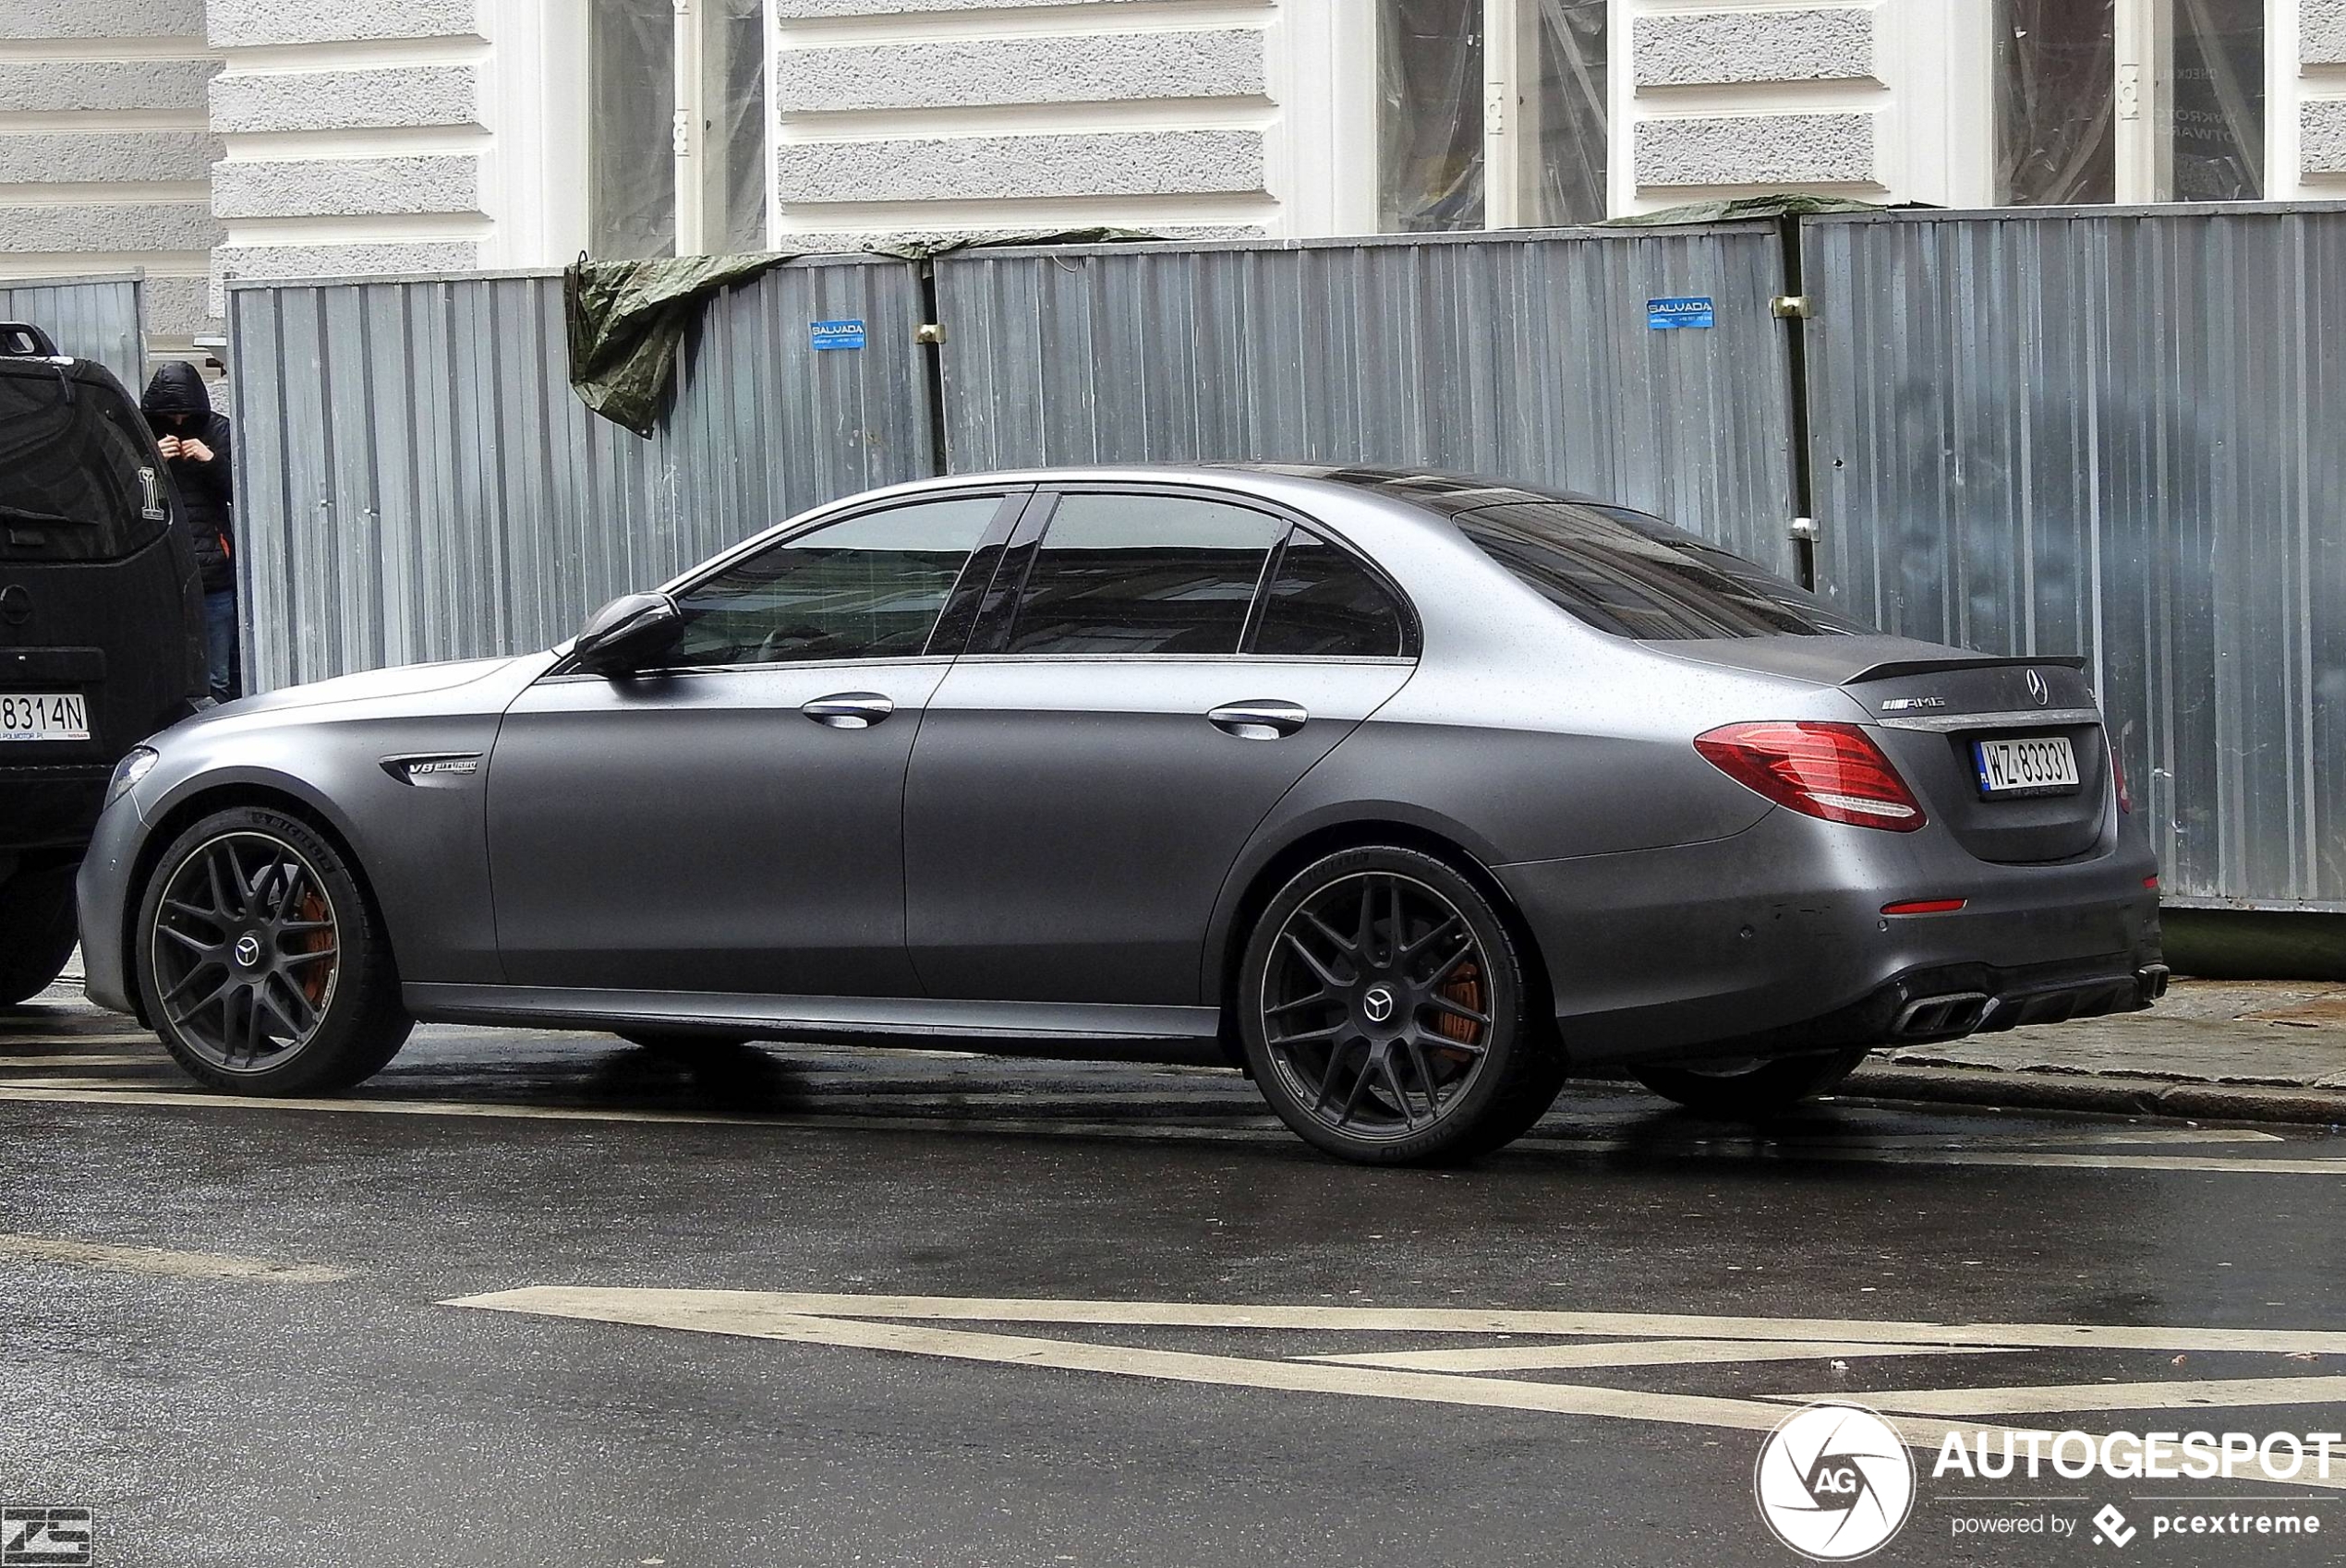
column 1384, row 1010
column 1746, row 1089
column 262, row 966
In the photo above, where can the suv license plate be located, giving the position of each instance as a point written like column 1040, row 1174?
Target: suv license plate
column 43, row 715
column 2039, row 765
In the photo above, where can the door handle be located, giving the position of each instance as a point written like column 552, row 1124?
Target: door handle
column 1259, row 720
column 848, row 710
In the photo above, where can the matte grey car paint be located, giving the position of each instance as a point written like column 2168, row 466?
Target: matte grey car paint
column 1077, row 839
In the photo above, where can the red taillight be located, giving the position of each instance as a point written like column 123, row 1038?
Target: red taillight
column 1833, row 771
column 2151, row 882
column 1923, row 906
column 2118, row 772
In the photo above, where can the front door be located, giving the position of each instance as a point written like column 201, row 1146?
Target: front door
column 1165, row 669
column 733, row 820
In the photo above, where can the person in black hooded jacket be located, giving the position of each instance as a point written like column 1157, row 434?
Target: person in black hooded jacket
column 194, row 439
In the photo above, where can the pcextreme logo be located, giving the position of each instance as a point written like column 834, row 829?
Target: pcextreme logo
column 1834, row 1482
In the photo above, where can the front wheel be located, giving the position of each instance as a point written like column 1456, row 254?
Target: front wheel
column 36, row 932
column 1386, row 1013
column 1749, row 1090
column 263, row 967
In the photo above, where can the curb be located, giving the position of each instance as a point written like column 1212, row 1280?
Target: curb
column 2065, row 1092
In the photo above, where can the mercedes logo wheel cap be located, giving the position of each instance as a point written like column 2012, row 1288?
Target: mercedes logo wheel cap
column 1377, row 1005
column 249, row 950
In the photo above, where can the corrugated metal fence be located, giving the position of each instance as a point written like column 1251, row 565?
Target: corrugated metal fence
column 1526, row 355
column 2096, row 430
column 94, row 317
column 2121, row 433
column 418, row 481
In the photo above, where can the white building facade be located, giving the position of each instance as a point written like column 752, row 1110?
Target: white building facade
column 302, row 138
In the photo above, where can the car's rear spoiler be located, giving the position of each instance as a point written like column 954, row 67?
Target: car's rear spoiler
column 1891, row 669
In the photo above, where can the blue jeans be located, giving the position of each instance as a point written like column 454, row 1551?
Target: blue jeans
column 219, row 641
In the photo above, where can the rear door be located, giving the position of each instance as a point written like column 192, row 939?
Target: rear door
column 1152, row 668
column 733, row 820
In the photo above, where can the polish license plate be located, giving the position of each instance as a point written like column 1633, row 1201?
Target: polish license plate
column 2034, row 765
column 43, row 715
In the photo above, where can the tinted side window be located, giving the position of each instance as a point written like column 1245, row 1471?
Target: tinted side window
column 1143, row 575
column 870, row 587
column 1635, row 576
column 1324, row 602
column 76, row 480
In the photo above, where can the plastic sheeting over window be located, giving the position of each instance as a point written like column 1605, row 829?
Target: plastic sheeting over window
column 1429, row 120
column 2211, row 101
column 2055, row 102
column 1568, row 108
column 733, row 102
column 631, row 113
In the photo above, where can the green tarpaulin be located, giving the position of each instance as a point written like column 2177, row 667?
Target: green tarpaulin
column 626, row 319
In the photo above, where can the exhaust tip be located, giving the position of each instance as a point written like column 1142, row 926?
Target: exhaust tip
column 1942, row 1017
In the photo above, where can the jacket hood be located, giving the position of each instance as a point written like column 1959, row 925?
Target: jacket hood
column 177, row 388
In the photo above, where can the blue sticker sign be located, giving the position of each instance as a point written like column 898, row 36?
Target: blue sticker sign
column 1697, row 311
column 821, row 335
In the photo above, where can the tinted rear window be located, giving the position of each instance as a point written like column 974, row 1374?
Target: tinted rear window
column 1136, row 574
column 1635, row 576
column 77, row 482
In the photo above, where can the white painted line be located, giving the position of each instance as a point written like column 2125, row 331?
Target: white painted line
column 1476, row 1320
column 164, row 1262
column 143, row 1037
column 2184, row 1394
column 10, row 1061
column 767, row 1315
column 1638, row 1353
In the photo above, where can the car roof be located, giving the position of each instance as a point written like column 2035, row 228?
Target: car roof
column 1444, row 493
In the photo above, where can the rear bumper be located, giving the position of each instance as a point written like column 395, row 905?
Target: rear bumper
column 102, row 891
column 1774, row 942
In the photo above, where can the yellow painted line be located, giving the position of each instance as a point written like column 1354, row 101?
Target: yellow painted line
column 2183, row 1394
column 1638, row 1353
column 164, row 1262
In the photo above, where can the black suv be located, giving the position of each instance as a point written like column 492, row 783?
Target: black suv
column 101, row 629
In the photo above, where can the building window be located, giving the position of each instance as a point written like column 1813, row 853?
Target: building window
column 1491, row 114
column 663, row 182
column 631, row 114
column 2130, row 101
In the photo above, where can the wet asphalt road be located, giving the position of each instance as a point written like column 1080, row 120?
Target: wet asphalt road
column 228, row 1327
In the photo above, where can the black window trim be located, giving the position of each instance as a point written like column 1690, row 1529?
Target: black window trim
column 1014, row 501
column 989, row 641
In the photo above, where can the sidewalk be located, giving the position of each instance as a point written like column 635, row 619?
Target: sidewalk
column 2225, row 1050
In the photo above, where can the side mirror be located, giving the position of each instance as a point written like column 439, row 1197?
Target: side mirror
column 627, row 633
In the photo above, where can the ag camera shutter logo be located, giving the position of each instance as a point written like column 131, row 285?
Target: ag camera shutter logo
column 1834, row 1482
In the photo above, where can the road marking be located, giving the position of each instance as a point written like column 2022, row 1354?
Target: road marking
column 110, row 1038
column 1637, row 1353
column 79, row 1059
column 2219, row 1393
column 165, row 1261
column 877, row 1323
column 1237, row 1128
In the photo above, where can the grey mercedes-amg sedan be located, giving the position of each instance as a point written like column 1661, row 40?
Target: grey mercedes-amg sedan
column 1411, row 794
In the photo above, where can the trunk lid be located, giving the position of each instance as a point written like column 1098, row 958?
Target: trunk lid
column 1929, row 707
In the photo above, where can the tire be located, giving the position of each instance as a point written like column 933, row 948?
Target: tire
column 685, row 1044
column 1752, row 1090
column 265, row 924
column 1433, row 1048
column 37, row 931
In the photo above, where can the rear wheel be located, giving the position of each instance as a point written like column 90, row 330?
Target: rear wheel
column 1385, row 1013
column 1749, row 1090
column 263, row 967
column 36, row 932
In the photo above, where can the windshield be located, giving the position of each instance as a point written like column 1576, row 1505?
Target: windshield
column 1637, row 577
column 77, row 479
